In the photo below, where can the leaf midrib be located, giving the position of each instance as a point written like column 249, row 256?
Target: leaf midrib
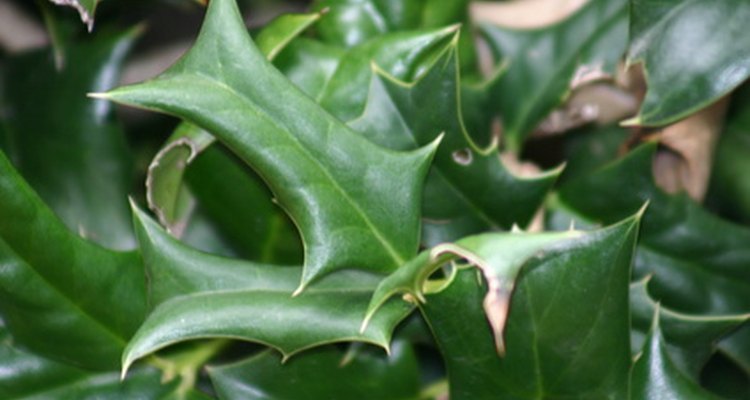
column 261, row 113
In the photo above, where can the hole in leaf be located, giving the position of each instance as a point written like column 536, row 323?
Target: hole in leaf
column 463, row 156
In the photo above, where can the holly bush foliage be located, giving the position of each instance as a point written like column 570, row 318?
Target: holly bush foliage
column 334, row 217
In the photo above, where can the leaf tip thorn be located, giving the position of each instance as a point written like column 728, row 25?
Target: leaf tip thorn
column 632, row 122
column 98, row 95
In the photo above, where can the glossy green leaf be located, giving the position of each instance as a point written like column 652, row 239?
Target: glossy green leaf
column 729, row 190
column 656, row 377
column 74, row 154
column 405, row 55
column 693, row 51
column 568, row 328
column 85, row 8
column 29, row 376
column 352, row 22
column 543, row 64
column 277, row 35
column 500, row 257
column 700, row 263
column 167, row 196
column 242, row 207
column 53, row 284
column 310, row 160
column 321, row 374
column 690, row 340
column 309, row 64
column 468, row 190
column 198, row 295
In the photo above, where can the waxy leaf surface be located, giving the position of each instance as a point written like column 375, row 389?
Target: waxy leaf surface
column 30, row 377
column 91, row 300
column 655, row 376
column 253, row 224
column 468, row 190
column 338, row 187
column 500, row 257
column 320, row 374
column 689, row 339
column 543, row 64
column 404, row 55
column 74, row 154
column 693, row 51
column 700, row 263
column 568, row 328
column 197, row 295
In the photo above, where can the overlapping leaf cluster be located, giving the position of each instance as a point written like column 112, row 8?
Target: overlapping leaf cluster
column 334, row 172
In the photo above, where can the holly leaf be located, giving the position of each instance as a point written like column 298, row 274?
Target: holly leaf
column 678, row 84
column 309, row 64
column 338, row 187
column 324, row 373
column 29, row 376
column 690, row 251
column 468, row 190
column 91, row 300
column 699, row 262
column 728, row 189
column 166, row 194
column 198, row 295
column 81, row 186
column 690, row 340
column 544, row 64
column 655, row 376
column 583, row 279
column 405, row 55
column 242, row 208
column 85, row 8
column 351, row 22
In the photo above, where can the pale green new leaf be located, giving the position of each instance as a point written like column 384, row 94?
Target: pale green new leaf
column 500, row 257
column 544, row 63
column 198, row 295
column 337, row 187
column 693, row 51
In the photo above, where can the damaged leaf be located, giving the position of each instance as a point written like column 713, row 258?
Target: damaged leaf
column 568, row 328
column 468, row 190
column 311, row 161
column 544, row 64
